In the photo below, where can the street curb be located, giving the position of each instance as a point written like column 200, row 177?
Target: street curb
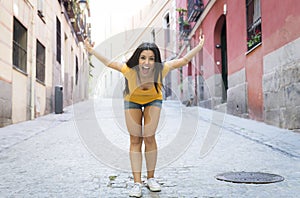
column 284, row 141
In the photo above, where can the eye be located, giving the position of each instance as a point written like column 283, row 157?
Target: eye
column 151, row 58
column 143, row 57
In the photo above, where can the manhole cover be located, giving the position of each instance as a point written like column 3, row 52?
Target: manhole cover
column 249, row 177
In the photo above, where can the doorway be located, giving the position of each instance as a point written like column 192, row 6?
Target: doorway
column 224, row 63
column 221, row 56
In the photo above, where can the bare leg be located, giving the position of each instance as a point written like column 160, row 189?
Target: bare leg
column 151, row 119
column 133, row 119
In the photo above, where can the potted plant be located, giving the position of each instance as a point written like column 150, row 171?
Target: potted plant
column 186, row 25
column 254, row 39
column 181, row 11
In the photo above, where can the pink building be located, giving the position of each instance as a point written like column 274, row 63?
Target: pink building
column 250, row 62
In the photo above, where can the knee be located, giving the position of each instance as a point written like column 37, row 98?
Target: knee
column 136, row 141
column 150, row 140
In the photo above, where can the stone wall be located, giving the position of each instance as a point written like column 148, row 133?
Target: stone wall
column 5, row 103
column 281, row 86
column 237, row 103
column 212, row 95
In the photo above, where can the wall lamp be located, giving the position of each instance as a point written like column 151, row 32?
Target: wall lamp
column 218, row 46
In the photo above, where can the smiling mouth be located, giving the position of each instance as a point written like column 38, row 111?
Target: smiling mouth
column 145, row 69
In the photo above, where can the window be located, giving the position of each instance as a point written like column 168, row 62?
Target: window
column 167, row 28
column 58, row 40
column 40, row 62
column 20, row 46
column 153, row 36
column 253, row 23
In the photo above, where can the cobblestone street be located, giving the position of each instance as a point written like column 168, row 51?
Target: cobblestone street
column 49, row 157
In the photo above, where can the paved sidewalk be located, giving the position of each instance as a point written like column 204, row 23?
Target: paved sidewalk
column 49, row 157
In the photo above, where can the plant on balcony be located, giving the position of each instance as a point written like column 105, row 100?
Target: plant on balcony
column 254, row 39
column 181, row 11
column 184, row 25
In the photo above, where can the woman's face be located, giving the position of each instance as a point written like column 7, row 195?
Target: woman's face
column 146, row 63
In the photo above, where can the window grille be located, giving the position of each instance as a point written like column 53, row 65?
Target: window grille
column 20, row 46
column 254, row 33
column 58, row 40
column 40, row 61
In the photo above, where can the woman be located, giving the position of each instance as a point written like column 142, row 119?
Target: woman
column 143, row 73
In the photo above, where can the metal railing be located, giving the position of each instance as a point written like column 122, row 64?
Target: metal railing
column 19, row 57
column 195, row 9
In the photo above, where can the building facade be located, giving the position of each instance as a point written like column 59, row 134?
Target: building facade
column 249, row 65
column 41, row 45
column 250, row 61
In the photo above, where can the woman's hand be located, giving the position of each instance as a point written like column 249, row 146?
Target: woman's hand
column 176, row 63
column 201, row 38
column 112, row 64
column 89, row 46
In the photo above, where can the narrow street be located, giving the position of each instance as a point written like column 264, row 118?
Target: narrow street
column 84, row 153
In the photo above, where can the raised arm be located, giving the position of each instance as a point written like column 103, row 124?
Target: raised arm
column 177, row 63
column 112, row 64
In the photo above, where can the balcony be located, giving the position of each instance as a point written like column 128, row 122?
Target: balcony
column 184, row 25
column 254, row 34
column 77, row 16
column 185, row 29
column 70, row 8
column 195, row 9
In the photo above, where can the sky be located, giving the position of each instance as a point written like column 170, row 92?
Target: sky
column 106, row 15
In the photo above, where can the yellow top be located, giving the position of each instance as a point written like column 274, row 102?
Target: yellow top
column 138, row 95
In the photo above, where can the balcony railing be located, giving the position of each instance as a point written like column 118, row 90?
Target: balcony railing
column 195, row 9
column 254, row 34
column 77, row 19
column 70, row 8
column 185, row 29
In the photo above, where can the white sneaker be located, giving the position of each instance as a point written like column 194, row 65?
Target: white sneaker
column 136, row 190
column 153, row 185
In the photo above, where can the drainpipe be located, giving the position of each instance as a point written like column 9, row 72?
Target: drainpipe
column 32, row 62
column 190, row 77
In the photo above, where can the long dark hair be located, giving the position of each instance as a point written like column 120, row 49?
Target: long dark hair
column 133, row 62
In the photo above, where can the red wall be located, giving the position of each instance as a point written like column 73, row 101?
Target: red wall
column 254, row 75
column 236, row 35
column 280, row 23
column 239, row 59
column 209, row 24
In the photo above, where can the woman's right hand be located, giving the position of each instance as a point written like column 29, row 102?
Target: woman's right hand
column 201, row 38
column 88, row 45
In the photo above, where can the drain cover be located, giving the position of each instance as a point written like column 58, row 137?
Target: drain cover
column 249, row 177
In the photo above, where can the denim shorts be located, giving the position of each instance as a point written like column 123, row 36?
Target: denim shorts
column 133, row 105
